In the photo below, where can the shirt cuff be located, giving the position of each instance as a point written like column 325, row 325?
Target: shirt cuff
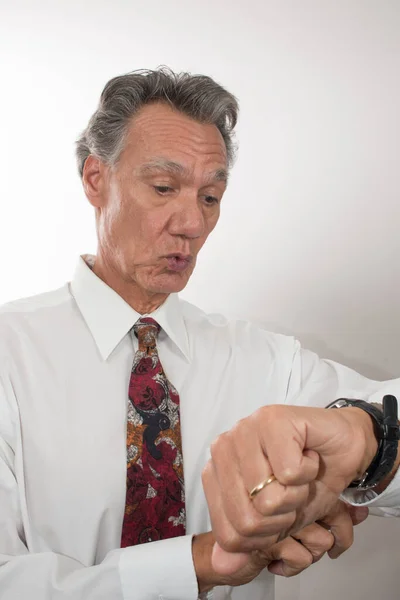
column 162, row 570
column 388, row 501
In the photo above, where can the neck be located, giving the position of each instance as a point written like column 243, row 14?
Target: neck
column 140, row 300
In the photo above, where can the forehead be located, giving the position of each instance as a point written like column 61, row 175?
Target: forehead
column 159, row 130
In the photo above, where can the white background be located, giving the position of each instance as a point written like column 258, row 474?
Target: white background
column 308, row 241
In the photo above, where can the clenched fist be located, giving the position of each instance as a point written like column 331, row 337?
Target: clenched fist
column 314, row 454
column 333, row 534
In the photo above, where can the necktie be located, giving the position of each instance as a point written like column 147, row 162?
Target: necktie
column 155, row 496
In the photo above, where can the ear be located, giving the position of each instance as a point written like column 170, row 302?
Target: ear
column 94, row 179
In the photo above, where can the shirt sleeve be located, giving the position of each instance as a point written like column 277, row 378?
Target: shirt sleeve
column 161, row 570
column 317, row 382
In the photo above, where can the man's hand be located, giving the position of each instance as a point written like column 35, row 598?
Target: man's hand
column 287, row 558
column 314, row 454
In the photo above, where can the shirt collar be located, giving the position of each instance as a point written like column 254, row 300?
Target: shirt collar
column 110, row 318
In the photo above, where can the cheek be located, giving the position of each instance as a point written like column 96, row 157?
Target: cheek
column 144, row 235
column 149, row 225
column 211, row 222
column 214, row 220
column 114, row 226
column 124, row 217
column 111, row 216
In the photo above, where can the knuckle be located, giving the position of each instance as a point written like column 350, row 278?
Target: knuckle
column 271, row 503
column 267, row 505
column 327, row 540
column 317, row 552
column 277, row 501
column 290, row 477
column 258, row 415
column 206, row 472
column 239, row 433
column 247, row 526
column 307, row 561
column 230, row 542
column 270, row 412
column 318, row 557
column 219, row 445
column 207, row 478
column 241, row 424
column 302, row 563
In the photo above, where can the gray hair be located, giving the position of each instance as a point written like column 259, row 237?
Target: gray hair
column 197, row 96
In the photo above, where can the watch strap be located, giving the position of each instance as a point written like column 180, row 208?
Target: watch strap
column 387, row 432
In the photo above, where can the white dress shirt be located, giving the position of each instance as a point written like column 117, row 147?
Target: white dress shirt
column 65, row 361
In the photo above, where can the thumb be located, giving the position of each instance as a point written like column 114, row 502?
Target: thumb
column 228, row 563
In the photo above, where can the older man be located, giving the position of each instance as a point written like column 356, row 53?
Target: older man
column 112, row 391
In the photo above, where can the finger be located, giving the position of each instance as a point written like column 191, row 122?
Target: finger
column 289, row 558
column 284, row 442
column 358, row 514
column 229, row 503
column 228, row 537
column 254, row 468
column 228, row 563
column 317, row 539
column 340, row 525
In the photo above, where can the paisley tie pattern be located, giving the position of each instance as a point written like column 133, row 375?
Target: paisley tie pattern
column 155, row 496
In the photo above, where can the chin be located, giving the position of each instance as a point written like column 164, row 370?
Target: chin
column 170, row 283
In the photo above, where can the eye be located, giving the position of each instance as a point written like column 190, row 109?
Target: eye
column 162, row 189
column 210, row 200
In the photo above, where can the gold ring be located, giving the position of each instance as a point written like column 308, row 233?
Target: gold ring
column 256, row 490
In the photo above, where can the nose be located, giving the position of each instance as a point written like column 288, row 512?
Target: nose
column 188, row 218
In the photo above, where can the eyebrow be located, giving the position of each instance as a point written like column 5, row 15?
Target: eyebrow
column 175, row 168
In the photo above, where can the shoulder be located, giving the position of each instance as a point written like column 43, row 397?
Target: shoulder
column 247, row 335
column 26, row 317
column 34, row 307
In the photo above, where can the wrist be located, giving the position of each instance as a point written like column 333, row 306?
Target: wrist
column 383, row 440
column 363, row 422
column 202, row 547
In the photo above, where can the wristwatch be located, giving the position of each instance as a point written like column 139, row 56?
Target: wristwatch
column 387, row 432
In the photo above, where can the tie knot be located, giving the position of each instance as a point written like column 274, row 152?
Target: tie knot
column 146, row 330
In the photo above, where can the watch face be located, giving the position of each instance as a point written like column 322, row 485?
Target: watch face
column 341, row 403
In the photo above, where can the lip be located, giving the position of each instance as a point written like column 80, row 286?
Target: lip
column 178, row 262
column 186, row 257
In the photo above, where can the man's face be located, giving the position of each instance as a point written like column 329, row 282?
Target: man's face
column 162, row 199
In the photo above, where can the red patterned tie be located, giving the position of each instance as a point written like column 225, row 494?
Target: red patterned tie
column 155, row 496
